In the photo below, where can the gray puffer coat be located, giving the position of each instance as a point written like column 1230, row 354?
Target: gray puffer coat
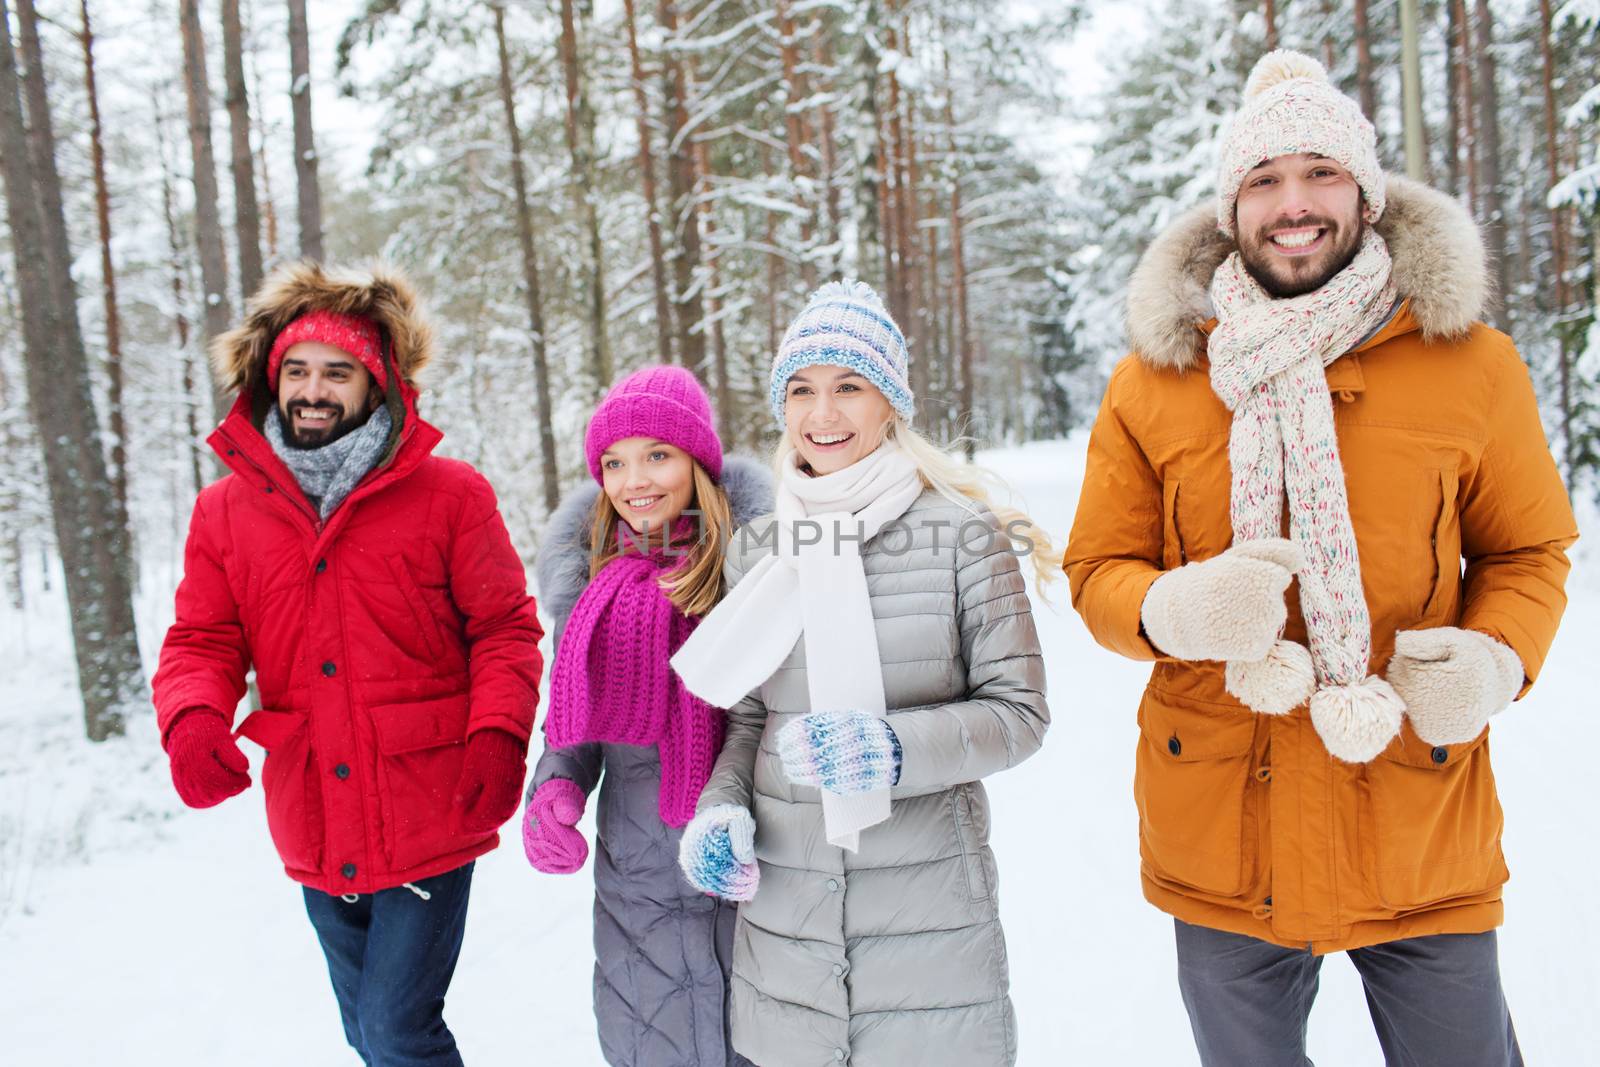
column 662, row 949
column 892, row 955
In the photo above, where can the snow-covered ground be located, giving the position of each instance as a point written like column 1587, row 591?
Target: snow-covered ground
column 133, row 931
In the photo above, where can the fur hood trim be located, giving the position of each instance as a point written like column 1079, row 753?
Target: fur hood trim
column 562, row 566
column 1439, row 266
column 379, row 292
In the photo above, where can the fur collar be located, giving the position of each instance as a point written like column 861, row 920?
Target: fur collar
column 380, row 293
column 562, row 566
column 1439, row 265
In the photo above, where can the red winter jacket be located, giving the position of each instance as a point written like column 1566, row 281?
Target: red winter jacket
column 380, row 641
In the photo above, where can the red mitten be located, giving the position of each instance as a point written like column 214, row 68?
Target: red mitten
column 491, row 780
column 207, row 766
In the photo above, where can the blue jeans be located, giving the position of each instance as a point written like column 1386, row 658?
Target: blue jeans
column 391, row 955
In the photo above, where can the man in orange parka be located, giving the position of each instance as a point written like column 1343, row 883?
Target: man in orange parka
column 1312, row 402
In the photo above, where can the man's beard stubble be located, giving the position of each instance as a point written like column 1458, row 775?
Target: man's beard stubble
column 343, row 424
column 1255, row 257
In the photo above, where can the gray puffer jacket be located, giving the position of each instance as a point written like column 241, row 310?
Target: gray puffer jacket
column 662, row 949
column 891, row 955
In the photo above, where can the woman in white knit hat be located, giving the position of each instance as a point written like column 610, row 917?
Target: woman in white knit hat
column 879, row 656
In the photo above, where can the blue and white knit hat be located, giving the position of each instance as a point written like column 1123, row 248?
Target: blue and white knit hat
column 845, row 324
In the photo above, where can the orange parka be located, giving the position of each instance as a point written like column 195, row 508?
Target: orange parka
column 1246, row 823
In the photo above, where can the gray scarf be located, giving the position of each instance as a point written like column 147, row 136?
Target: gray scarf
column 328, row 474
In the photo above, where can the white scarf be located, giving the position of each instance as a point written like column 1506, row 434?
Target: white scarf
column 813, row 584
column 1267, row 365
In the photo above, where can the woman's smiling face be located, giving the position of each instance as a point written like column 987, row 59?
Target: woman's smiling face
column 649, row 482
column 834, row 417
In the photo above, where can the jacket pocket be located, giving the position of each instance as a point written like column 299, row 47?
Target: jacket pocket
column 1173, row 554
column 1444, row 545
column 1192, row 783
column 291, row 783
column 1431, row 822
column 421, row 747
column 971, row 815
column 417, row 603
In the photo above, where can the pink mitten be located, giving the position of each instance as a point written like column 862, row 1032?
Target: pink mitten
column 549, row 836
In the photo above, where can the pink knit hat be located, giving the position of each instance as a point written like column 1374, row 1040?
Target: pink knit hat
column 665, row 403
column 354, row 334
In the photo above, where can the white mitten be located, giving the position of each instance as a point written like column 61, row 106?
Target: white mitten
column 1230, row 607
column 1452, row 680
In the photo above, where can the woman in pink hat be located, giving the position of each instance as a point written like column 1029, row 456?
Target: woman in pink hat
column 627, row 569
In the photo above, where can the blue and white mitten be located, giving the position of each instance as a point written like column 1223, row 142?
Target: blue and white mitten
column 844, row 752
column 718, row 852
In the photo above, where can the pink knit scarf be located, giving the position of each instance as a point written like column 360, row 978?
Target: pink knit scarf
column 612, row 681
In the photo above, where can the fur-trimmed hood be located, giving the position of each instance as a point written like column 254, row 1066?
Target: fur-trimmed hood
column 1439, row 266
column 378, row 292
column 562, row 566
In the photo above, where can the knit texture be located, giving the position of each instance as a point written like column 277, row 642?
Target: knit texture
column 612, row 681
column 1267, row 365
column 845, row 324
column 550, row 837
column 207, row 766
column 663, row 403
column 1290, row 107
column 491, row 780
column 329, row 474
column 354, row 334
column 842, row 751
column 718, row 853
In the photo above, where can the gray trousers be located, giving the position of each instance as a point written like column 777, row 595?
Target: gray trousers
column 1434, row 1000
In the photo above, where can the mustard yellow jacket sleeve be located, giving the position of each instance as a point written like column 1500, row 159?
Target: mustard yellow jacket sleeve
column 1114, row 552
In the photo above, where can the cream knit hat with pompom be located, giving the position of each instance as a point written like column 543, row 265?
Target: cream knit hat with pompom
column 1290, row 107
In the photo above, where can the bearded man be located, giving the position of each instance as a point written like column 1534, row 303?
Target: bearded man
column 1318, row 496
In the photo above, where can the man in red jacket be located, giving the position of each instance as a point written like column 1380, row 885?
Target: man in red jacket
column 375, row 591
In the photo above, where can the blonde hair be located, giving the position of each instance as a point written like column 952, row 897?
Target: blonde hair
column 967, row 485
column 695, row 585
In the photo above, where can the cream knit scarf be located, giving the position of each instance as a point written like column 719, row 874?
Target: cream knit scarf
column 812, row 585
column 1267, row 365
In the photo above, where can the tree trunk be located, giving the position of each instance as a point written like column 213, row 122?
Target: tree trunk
column 652, row 212
column 958, row 268
column 774, row 266
column 108, row 279
column 207, row 220
column 680, row 191
column 580, row 143
column 1494, row 213
column 1411, row 91
column 1558, row 236
column 906, row 214
column 722, row 390
column 305, row 147
column 530, row 273
column 175, row 246
column 1366, row 91
column 865, row 137
column 246, row 215
column 1271, row 13
column 269, row 206
column 822, row 53
column 1464, row 103
column 94, row 550
column 795, row 134
column 1452, row 122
